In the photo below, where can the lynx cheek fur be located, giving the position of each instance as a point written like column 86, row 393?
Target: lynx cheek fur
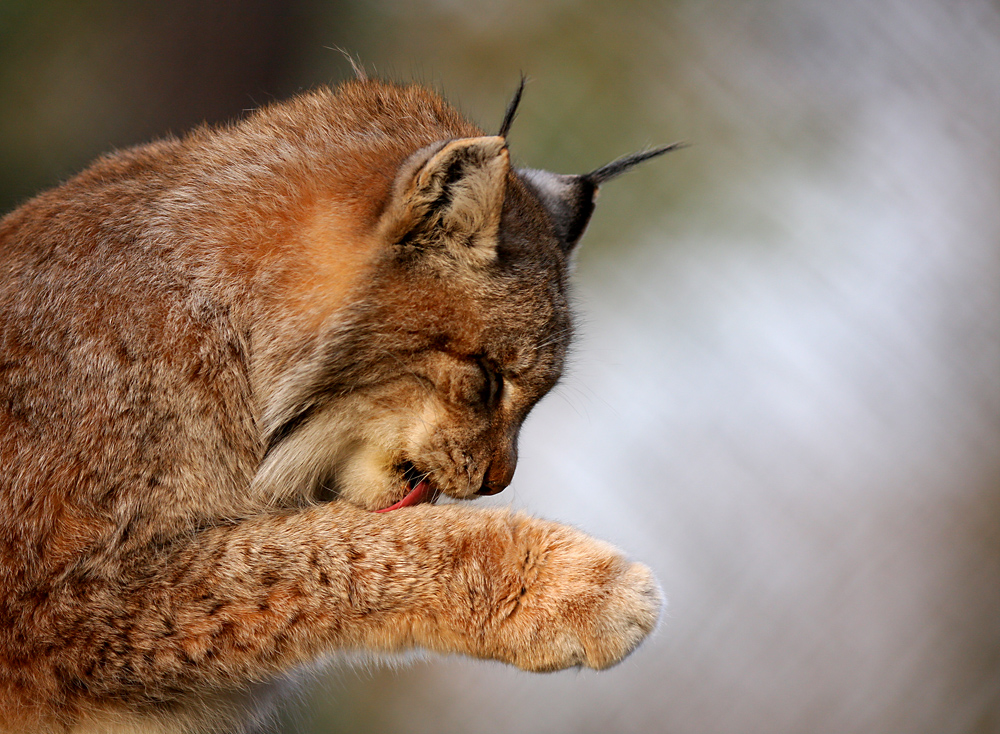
column 220, row 355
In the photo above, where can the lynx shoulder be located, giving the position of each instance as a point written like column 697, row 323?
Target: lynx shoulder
column 237, row 370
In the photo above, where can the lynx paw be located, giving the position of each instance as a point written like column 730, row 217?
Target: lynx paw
column 581, row 602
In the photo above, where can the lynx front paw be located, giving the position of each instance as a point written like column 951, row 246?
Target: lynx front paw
column 581, row 602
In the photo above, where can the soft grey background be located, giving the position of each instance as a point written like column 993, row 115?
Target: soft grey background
column 785, row 396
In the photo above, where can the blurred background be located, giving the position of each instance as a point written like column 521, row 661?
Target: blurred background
column 785, row 395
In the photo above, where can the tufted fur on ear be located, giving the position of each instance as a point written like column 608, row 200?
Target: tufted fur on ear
column 569, row 200
column 449, row 196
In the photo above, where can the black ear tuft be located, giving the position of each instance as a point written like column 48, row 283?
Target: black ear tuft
column 569, row 200
column 511, row 113
column 626, row 162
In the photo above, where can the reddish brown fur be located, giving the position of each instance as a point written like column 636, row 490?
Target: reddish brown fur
column 203, row 341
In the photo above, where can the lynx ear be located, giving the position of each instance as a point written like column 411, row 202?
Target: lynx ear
column 450, row 194
column 569, row 200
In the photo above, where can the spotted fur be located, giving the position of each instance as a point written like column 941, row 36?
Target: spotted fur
column 220, row 353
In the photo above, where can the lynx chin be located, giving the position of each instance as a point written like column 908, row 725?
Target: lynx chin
column 237, row 371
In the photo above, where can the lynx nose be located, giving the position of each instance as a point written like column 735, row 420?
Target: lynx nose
column 499, row 474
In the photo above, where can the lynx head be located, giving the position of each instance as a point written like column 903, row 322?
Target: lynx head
column 459, row 325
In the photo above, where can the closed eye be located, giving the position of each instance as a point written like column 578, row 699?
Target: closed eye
column 494, row 384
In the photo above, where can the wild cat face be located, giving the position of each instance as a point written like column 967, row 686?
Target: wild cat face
column 461, row 326
column 470, row 341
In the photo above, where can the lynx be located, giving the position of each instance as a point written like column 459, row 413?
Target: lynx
column 238, row 369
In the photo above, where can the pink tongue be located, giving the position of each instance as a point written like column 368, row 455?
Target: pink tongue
column 417, row 495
